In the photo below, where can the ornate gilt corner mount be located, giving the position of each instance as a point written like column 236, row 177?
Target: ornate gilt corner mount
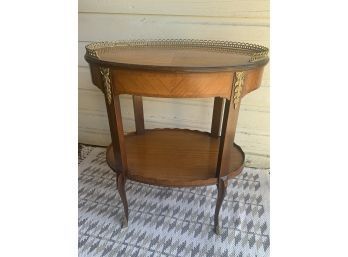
column 238, row 87
column 105, row 72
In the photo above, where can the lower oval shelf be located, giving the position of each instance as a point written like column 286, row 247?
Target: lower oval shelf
column 175, row 157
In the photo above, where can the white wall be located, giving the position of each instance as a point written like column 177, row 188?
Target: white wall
column 236, row 20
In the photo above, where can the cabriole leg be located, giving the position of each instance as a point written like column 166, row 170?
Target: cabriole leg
column 121, row 182
column 222, row 188
column 116, row 130
column 228, row 132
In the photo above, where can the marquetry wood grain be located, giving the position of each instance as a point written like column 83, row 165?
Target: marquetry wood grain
column 180, row 85
column 172, row 84
column 258, row 99
column 252, row 80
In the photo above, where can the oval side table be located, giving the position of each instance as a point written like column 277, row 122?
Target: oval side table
column 176, row 69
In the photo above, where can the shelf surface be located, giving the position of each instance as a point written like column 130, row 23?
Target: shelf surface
column 175, row 157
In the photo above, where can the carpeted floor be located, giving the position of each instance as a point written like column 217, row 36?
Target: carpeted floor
column 166, row 222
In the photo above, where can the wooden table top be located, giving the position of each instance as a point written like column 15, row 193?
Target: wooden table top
column 180, row 55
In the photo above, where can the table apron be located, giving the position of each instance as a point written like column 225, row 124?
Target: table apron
column 171, row 84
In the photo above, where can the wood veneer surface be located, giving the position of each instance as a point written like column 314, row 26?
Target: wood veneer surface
column 174, row 157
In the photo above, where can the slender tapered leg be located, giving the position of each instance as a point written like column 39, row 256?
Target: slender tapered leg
column 121, row 182
column 217, row 116
column 222, row 187
column 228, row 132
column 116, row 130
column 229, row 124
column 138, row 114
